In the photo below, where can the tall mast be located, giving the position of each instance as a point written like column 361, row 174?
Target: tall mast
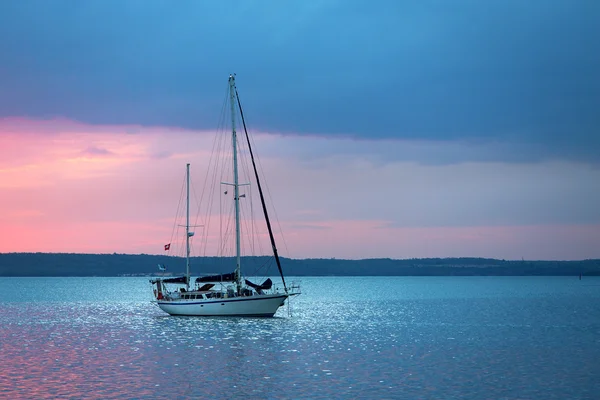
column 236, row 186
column 187, row 227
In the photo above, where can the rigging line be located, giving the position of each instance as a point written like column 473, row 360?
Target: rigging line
column 217, row 182
column 264, row 268
column 222, row 228
column 256, row 234
column 226, row 161
column 262, row 199
column 246, row 173
column 268, row 191
column 247, row 226
column 252, row 229
column 228, row 231
column 215, row 176
column 175, row 229
column 215, row 179
column 221, row 243
column 252, row 219
column 221, row 165
column 255, row 227
column 243, row 153
column 271, row 201
column 206, row 179
column 220, row 215
column 231, row 229
column 195, row 225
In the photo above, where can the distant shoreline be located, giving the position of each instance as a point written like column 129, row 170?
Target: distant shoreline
column 115, row 265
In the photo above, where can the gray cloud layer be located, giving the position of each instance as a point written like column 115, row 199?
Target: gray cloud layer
column 509, row 71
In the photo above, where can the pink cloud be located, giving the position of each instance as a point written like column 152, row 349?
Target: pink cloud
column 67, row 187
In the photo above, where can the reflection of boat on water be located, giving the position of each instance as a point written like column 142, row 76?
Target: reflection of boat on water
column 225, row 294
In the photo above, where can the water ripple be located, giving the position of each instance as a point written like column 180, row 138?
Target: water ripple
column 346, row 338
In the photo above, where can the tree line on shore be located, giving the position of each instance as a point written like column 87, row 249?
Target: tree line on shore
column 67, row 264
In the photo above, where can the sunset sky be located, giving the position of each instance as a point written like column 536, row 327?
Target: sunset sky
column 385, row 129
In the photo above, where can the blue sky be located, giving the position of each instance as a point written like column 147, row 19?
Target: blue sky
column 473, row 123
column 510, row 71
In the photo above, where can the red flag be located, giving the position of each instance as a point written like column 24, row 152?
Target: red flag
column 167, row 246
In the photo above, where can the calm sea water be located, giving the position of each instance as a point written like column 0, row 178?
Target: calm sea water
column 399, row 337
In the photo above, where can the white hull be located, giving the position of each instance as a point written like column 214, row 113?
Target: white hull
column 251, row 306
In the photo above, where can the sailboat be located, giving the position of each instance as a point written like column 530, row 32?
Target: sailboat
column 225, row 294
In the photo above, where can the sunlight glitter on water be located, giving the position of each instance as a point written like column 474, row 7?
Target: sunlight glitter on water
column 426, row 338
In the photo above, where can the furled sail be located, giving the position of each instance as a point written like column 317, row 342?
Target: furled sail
column 217, row 278
column 179, row 279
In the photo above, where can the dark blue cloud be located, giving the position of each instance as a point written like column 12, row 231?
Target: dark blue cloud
column 471, row 70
